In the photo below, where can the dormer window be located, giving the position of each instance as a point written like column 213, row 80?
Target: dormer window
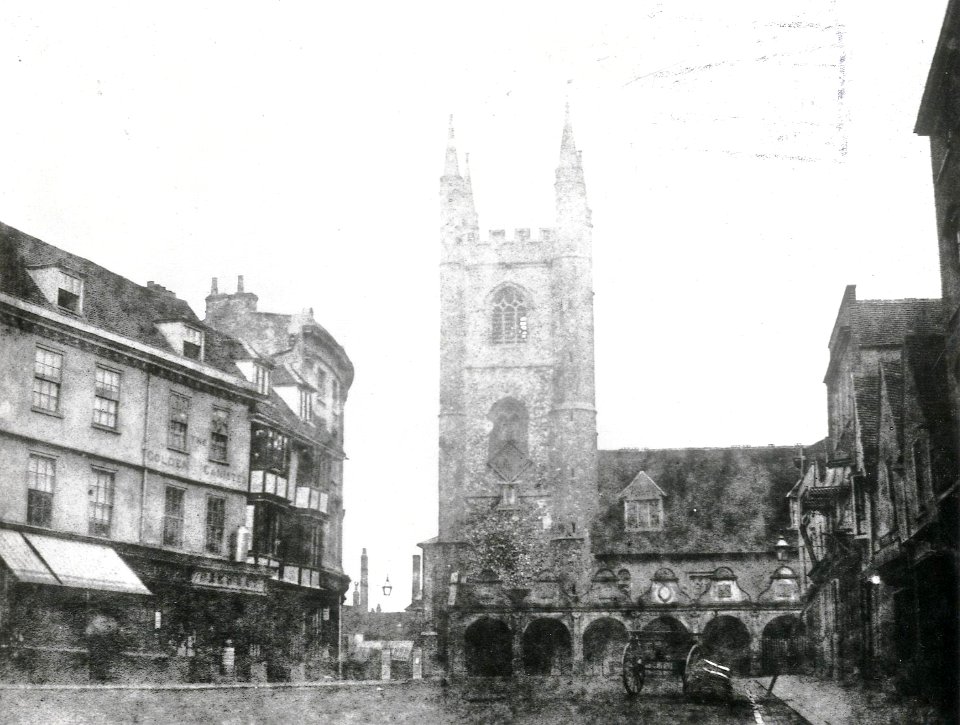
column 643, row 515
column 261, row 378
column 192, row 343
column 642, row 504
column 69, row 292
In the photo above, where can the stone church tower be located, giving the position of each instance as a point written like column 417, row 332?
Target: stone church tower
column 517, row 414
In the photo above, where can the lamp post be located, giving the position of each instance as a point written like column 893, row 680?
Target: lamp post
column 387, row 587
column 782, row 547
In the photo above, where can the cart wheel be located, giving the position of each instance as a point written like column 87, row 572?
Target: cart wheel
column 691, row 656
column 633, row 669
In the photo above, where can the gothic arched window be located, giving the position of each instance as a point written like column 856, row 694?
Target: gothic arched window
column 509, row 418
column 508, row 317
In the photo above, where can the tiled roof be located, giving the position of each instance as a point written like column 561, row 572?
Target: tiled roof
column 866, row 390
column 110, row 301
column 886, row 322
column 717, row 499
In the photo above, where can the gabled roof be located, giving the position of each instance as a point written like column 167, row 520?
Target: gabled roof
column 111, row 302
column 284, row 375
column 642, row 487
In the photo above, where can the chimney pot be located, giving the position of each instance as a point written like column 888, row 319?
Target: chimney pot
column 239, row 283
column 213, row 286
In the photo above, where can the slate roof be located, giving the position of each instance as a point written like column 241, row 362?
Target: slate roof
column 717, row 499
column 886, row 322
column 892, row 376
column 111, row 302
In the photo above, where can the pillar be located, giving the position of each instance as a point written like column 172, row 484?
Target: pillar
column 577, row 643
column 386, row 659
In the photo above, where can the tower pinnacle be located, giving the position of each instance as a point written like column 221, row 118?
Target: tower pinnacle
column 568, row 147
column 451, row 166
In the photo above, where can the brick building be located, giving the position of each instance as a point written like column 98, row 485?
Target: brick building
column 878, row 510
column 130, row 441
column 549, row 551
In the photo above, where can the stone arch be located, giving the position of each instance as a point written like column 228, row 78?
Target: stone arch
column 509, row 424
column 727, row 639
column 665, row 642
column 782, row 646
column 488, row 648
column 603, row 642
column 547, row 648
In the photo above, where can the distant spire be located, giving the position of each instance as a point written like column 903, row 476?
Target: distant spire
column 451, row 166
column 468, row 185
column 568, row 147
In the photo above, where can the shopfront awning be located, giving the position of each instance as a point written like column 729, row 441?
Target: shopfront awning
column 40, row 559
column 24, row 562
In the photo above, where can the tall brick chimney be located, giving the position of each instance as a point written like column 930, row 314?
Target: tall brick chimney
column 364, row 582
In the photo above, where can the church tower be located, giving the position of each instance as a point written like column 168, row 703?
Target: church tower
column 517, row 409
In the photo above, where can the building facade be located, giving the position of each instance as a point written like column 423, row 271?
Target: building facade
column 130, row 435
column 295, row 510
column 879, row 508
column 549, row 551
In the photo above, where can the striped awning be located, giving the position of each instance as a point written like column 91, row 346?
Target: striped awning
column 40, row 559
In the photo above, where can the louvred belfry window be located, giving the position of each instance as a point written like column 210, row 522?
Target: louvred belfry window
column 509, row 317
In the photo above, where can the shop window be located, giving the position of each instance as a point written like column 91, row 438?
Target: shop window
column 47, row 374
column 173, row 515
column 220, row 435
column 216, row 516
column 69, row 293
column 179, row 421
column 100, row 511
column 41, row 478
column 508, row 318
column 106, row 401
column 643, row 515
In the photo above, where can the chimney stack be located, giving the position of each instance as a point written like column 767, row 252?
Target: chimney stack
column 356, row 594
column 364, row 582
column 213, row 287
column 415, row 594
column 239, row 283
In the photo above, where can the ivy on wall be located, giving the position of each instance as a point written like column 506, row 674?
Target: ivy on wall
column 510, row 542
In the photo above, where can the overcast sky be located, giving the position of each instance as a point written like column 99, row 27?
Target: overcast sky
column 744, row 161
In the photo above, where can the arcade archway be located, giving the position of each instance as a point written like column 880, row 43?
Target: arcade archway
column 488, row 648
column 727, row 640
column 603, row 642
column 546, row 648
column 782, row 646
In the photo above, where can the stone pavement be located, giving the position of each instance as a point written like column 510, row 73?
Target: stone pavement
column 827, row 702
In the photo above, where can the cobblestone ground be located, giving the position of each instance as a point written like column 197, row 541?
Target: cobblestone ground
column 531, row 702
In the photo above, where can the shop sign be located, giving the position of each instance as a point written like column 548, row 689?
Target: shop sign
column 228, row 580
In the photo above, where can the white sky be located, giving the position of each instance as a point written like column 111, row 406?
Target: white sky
column 300, row 144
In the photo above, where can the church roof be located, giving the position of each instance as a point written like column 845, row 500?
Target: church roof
column 715, row 499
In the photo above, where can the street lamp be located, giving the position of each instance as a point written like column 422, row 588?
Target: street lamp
column 782, row 548
column 387, row 587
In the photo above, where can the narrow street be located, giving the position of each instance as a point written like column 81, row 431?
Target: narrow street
column 425, row 703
